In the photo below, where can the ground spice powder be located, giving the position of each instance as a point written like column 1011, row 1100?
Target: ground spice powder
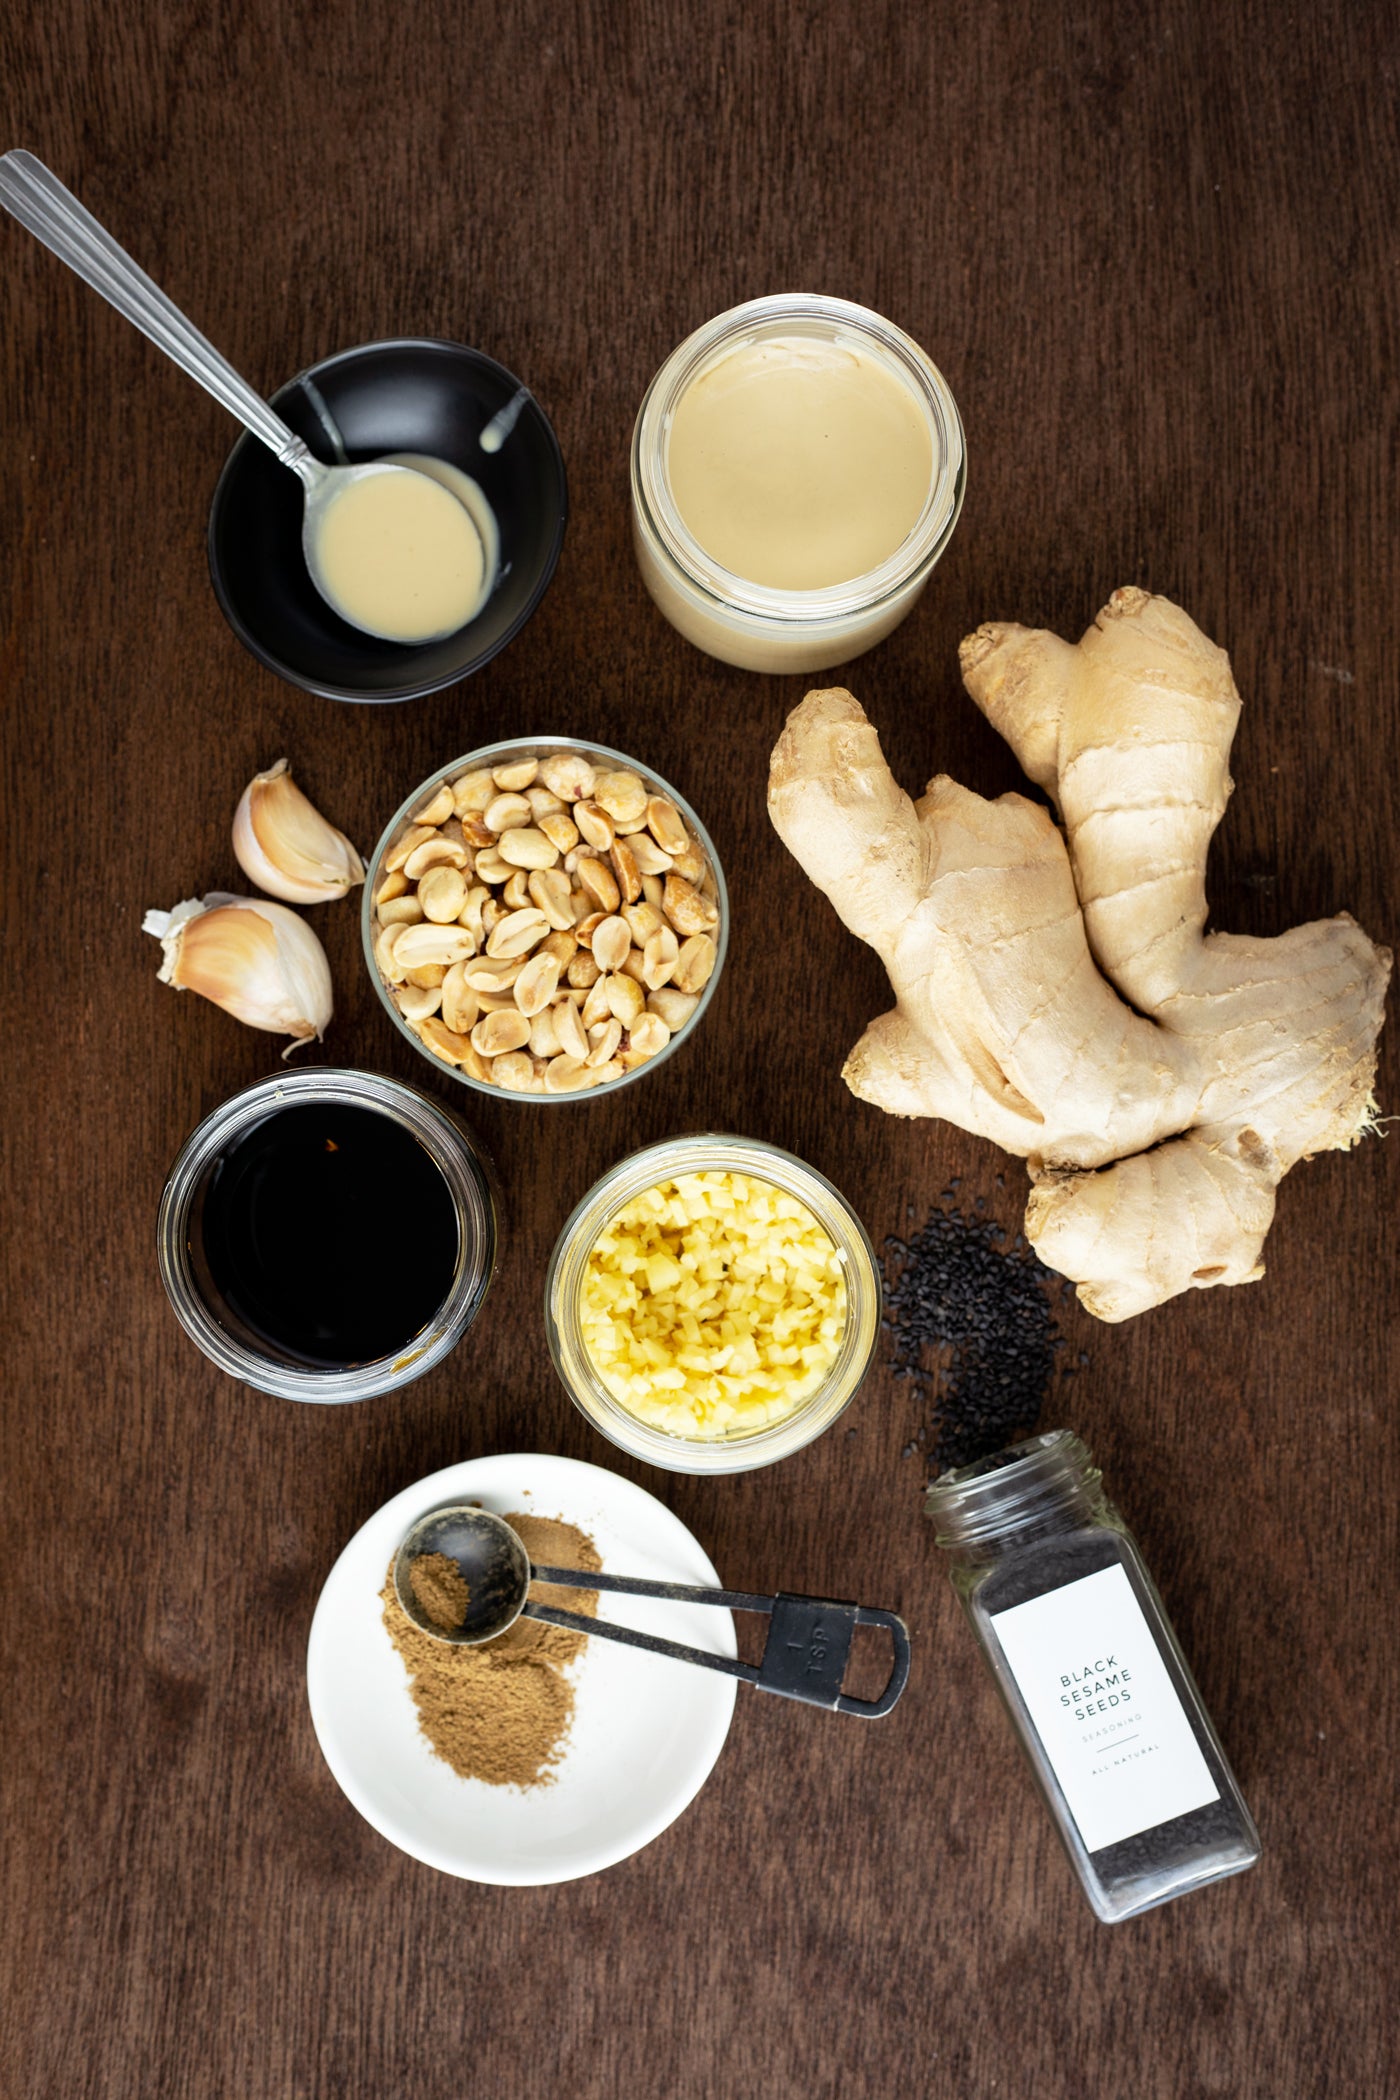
column 501, row 1712
column 439, row 1590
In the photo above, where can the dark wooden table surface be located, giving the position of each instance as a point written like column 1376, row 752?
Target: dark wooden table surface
column 1153, row 249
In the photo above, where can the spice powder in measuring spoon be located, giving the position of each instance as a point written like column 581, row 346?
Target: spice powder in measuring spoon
column 499, row 1712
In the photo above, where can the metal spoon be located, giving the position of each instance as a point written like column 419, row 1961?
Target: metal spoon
column 53, row 214
column 809, row 1638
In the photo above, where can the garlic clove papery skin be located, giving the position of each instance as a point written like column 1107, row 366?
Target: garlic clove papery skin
column 256, row 960
column 284, row 845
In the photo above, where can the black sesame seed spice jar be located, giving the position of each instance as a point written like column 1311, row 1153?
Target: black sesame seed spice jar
column 1092, row 1675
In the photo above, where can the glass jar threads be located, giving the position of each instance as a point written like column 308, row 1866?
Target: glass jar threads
column 1092, row 1675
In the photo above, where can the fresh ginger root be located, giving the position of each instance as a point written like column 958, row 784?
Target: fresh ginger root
column 1156, row 1124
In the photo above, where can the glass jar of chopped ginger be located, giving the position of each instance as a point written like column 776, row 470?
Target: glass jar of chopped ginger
column 712, row 1304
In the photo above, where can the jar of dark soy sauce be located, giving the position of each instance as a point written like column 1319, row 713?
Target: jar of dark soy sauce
column 1092, row 1676
column 328, row 1235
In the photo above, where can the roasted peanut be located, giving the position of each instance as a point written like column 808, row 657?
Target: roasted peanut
column 560, row 829
column 674, row 1008
column 549, row 892
column 695, row 964
column 516, row 775
column 626, row 999
column 666, row 825
column 438, row 807
column 401, row 911
column 506, row 812
column 417, row 836
column 516, row 1070
column 516, row 894
column 544, row 1037
column 491, row 868
column 442, row 1040
column 518, row 932
column 648, row 1034
column 625, row 870
column 648, row 855
column 390, row 969
column 595, row 826
column 621, row 794
column 568, row 775
column 603, row 1041
column 485, row 973
column 432, row 853
column 525, row 847
column 684, row 906
column 499, row 1032
column 416, row 1002
column 569, row 1030
column 461, row 1007
column 537, row 984
column 611, row 939
column 659, row 959
column 568, row 1075
column 442, row 893
column 471, row 792
column 596, row 880
column 595, row 1006
column 425, row 943
column 643, row 921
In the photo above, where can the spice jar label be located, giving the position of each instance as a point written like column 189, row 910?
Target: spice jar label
column 1108, row 1717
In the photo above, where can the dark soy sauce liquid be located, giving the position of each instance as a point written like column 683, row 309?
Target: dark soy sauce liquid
column 330, row 1233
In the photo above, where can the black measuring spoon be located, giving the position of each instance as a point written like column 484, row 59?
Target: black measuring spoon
column 809, row 1638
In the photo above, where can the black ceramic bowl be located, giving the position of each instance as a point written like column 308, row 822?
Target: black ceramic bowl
column 414, row 395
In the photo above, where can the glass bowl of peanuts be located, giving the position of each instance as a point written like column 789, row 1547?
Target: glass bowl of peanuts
column 712, row 1304
column 545, row 918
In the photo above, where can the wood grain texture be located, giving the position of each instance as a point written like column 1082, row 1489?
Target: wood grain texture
column 1153, row 249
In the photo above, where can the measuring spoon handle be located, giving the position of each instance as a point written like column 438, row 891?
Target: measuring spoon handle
column 643, row 1586
column 53, row 215
column 804, row 1657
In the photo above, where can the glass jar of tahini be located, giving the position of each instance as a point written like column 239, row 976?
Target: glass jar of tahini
column 1092, row 1675
column 797, row 470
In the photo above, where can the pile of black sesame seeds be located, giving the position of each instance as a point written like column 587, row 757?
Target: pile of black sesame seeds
column 971, row 1319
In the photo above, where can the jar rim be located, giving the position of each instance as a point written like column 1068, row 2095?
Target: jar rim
column 705, row 1152
column 721, row 589
column 467, row 1177
column 998, row 1495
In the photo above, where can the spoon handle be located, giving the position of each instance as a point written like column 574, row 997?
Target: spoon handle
column 53, row 214
column 809, row 1638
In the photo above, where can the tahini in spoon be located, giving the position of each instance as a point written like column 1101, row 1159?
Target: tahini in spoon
column 389, row 549
column 809, row 1638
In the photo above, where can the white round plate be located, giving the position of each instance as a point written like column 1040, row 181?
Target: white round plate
column 646, row 1731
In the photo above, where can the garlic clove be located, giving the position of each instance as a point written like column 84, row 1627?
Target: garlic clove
column 283, row 843
column 256, row 960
